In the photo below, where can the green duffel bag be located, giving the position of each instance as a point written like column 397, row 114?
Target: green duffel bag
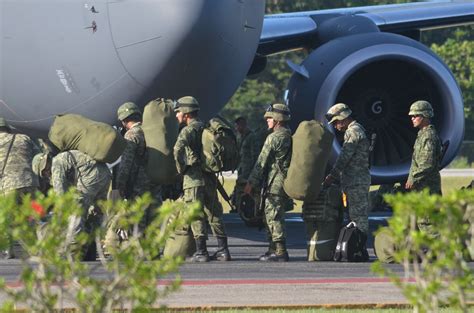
column 322, row 239
column 161, row 131
column 98, row 140
column 180, row 244
column 384, row 245
column 323, row 220
column 310, row 153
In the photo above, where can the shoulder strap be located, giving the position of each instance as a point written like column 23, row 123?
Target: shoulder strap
column 8, row 154
column 6, row 158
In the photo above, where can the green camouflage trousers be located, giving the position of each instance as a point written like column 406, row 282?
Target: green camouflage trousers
column 275, row 208
column 358, row 203
column 211, row 210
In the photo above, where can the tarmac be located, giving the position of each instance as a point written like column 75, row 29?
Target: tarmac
column 245, row 282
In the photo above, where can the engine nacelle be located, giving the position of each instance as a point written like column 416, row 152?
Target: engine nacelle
column 379, row 75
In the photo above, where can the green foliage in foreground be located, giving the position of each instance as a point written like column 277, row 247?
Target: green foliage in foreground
column 433, row 239
column 52, row 272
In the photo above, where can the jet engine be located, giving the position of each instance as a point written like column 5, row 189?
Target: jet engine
column 379, row 75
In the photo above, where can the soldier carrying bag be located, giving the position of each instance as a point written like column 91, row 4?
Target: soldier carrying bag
column 219, row 147
column 350, row 245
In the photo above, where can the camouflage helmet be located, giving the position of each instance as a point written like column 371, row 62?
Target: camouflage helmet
column 422, row 108
column 127, row 109
column 186, row 104
column 338, row 112
column 3, row 123
column 39, row 163
column 279, row 112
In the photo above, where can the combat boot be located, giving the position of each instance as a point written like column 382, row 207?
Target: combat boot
column 280, row 255
column 201, row 254
column 222, row 253
column 271, row 250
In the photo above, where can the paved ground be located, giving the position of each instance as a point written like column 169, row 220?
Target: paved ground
column 247, row 282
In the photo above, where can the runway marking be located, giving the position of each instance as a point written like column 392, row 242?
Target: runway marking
column 210, row 282
column 280, row 281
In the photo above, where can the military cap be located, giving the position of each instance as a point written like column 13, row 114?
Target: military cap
column 186, row 104
column 422, row 108
column 338, row 112
column 39, row 163
column 279, row 112
column 3, row 123
column 127, row 109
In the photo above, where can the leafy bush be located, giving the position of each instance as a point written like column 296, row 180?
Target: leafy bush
column 52, row 271
column 433, row 254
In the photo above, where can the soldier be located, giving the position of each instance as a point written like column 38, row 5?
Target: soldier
column 198, row 185
column 16, row 153
column 352, row 165
column 425, row 164
column 269, row 173
column 91, row 179
column 426, row 159
column 132, row 180
column 248, row 155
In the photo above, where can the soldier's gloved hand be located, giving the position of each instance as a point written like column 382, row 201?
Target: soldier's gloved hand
column 248, row 189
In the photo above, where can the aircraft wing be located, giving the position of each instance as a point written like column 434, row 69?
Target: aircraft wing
column 282, row 32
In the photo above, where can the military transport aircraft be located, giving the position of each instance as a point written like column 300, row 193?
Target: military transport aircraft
column 89, row 56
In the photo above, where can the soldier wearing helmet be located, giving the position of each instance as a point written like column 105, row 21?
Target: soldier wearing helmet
column 198, row 185
column 269, row 172
column 425, row 164
column 131, row 180
column 16, row 153
column 352, row 166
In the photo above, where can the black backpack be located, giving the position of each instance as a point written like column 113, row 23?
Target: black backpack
column 351, row 245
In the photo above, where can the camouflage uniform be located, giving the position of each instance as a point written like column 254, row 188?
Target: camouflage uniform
column 90, row 178
column 132, row 180
column 352, row 166
column 197, row 184
column 425, row 163
column 17, row 173
column 270, row 170
column 16, row 153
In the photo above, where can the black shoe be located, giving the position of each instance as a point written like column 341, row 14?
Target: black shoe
column 7, row 255
column 264, row 257
column 200, row 256
column 273, row 257
column 221, row 255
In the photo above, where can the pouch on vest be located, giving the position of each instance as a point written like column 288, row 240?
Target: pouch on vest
column 310, row 153
column 351, row 245
column 98, row 140
column 161, row 131
column 219, row 147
